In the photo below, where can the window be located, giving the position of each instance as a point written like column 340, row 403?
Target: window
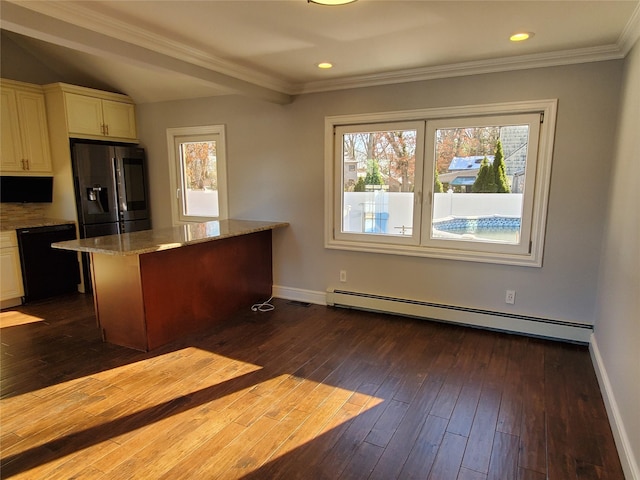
column 197, row 166
column 377, row 188
column 468, row 183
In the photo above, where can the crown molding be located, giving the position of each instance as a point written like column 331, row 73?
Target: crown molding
column 631, row 33
column 628, row 38
column 523, row 62
column 84, row 17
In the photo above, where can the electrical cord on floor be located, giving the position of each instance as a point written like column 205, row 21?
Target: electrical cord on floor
column 263, row 307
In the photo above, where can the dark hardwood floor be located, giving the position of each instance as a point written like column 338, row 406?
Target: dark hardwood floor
column 304, row 392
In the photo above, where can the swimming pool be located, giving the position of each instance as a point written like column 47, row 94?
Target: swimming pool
column 493, row 228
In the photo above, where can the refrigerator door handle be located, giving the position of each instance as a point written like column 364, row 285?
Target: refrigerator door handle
column 120, row 195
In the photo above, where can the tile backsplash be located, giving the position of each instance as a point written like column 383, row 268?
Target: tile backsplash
column 10, row 212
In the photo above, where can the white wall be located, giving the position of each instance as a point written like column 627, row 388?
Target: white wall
column 276, row 167
column 616, row 345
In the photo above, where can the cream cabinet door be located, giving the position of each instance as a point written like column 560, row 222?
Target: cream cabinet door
column 10, row 271
column 11, row 159
column 25, row 135
column 35, row 134
column 99, row 118
column 84, row 114
column 119, row 119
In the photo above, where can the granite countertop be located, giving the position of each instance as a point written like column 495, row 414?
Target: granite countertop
column 155, row 240
column 32, row 223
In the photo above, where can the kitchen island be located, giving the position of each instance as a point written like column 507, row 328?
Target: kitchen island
column 156, row 286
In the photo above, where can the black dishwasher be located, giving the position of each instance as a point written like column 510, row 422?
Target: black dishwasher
column 46, row 271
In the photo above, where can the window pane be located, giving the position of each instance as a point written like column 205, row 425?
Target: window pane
column 378, row 179
column 479, row 183
column 200, row 179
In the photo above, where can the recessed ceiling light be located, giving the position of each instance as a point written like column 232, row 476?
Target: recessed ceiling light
column 520, row 36
column 325, row 65
column 331, row 2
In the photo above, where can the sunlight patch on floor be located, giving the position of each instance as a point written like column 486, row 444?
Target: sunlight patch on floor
column 189, row 398
column 15, row 319
column 113, row 394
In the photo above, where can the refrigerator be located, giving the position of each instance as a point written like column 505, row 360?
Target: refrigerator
column 111, row 192
column 111, row 188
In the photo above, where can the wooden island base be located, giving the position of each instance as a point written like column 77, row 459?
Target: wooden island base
column 147, row 300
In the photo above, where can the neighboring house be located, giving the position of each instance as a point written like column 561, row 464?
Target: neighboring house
column 462, row 171
column 350, row 174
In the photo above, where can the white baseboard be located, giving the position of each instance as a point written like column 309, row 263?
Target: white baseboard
column 506, row 322
column 558, row 330
column 627, row 459
column 299, row 294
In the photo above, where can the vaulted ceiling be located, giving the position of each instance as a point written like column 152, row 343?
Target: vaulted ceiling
column 178, row 49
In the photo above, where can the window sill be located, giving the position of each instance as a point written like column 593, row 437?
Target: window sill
column 533, row 259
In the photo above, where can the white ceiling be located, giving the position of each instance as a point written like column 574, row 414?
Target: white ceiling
column 156, row 50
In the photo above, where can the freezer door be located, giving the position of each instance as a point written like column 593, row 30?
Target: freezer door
column 94, row 179
column 135, row 225
column 99, row 229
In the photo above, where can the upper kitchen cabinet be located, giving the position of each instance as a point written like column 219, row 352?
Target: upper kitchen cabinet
column 93, row 114
column 25, row 137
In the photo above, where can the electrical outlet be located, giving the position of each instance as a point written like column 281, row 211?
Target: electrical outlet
column 343, row 276
column 510, row 297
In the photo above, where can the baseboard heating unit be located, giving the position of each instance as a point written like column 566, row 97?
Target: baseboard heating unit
column 508, row 322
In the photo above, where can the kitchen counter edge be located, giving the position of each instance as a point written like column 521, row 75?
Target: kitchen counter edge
column 9, row 225
column 156, row 240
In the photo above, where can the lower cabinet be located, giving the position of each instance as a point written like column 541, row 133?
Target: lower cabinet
column 11, row 289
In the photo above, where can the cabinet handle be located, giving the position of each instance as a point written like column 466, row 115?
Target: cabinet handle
column 106, row 129
column 27, row 162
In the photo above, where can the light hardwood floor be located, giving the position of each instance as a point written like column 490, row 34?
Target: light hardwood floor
column 304, row 392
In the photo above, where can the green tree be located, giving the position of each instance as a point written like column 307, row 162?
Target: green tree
column 373, row 174
column 499, row 170
column 485, row 181
column 360, row 185
column 437, row 184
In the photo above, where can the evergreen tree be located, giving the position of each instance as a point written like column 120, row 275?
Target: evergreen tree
column 485, row 182
column 499, row 170
column 360, row 185
column 437, row 184
column 373, row 174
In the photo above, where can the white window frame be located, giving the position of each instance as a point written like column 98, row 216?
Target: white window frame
column 204, row 133
column 338, row 155
column 532, row 252
column 532, row 119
